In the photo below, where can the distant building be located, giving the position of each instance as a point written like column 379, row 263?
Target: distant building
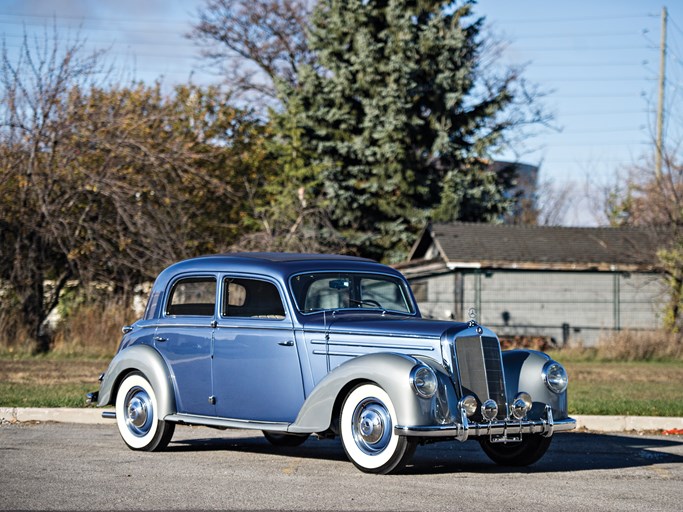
column 567, row 283
column 524, row 190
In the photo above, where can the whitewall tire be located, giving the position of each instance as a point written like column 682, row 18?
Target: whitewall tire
column 367, row 423
column 137, row 415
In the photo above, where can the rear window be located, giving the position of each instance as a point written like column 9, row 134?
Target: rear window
column 252, row 298
column 194, row 296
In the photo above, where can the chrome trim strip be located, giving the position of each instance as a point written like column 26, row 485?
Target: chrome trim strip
column 371, row 345
column 198, row 326
column 263, row 327
column 369, row 333
column 463, row 432
column 193, row 419
column 348, row 354
column 109, row 415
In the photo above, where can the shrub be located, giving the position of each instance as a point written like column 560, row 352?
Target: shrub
column 15, row 337
column 92, row 329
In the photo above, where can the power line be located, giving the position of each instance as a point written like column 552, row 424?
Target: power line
column 545, row 49
column 48, row 17
column 583, row 18
column 574, row 35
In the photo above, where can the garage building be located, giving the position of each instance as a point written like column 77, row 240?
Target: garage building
column 567, row 283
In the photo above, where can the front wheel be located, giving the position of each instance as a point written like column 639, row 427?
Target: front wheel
column 367, row 431
column 530, row 449
column 137, row 416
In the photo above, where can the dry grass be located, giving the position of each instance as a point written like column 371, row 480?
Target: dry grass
column 14, row 336
column 93, row 330
column 41, row 371
column 90, row 330
column 625, row 346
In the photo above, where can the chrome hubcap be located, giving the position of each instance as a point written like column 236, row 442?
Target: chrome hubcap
column 139, row 412
column 371, row 426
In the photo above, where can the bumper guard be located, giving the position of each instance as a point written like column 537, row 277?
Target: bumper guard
column 463, row 431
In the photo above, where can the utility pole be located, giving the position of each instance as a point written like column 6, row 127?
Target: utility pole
column 660, row 107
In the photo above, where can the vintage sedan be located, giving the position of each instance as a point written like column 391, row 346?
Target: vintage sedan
column 300, row 344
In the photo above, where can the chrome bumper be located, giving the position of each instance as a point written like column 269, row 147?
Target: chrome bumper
column 463, row 431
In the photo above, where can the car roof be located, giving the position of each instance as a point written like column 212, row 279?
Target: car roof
column 275, row 264
column 283, row 256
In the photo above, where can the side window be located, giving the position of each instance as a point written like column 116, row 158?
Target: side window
column 252, row 298
column 195, row 296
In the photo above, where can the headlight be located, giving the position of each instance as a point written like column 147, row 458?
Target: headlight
column 424, row 381
column 555, row 377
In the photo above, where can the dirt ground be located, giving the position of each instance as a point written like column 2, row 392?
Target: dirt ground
column 47, row 372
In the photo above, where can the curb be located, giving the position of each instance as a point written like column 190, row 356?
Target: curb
column 92, row 416
column 627, row 423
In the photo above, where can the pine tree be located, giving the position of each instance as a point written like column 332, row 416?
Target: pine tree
column 398, row 118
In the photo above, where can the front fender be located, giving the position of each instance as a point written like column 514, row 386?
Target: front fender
column 523, row 372
column 146, row 360
column 389, row 371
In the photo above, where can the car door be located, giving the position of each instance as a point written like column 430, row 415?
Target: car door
column 184, row 338
column 256, row 370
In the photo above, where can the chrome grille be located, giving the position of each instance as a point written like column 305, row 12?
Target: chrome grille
column 480, row 370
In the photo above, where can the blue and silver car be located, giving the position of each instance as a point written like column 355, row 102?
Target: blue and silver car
column 301, row 344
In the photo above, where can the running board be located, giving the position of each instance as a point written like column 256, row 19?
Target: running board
column 208, row 421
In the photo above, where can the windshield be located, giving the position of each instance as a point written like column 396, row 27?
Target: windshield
column 351, row 290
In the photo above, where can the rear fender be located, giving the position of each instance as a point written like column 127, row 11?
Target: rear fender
column 146, row 360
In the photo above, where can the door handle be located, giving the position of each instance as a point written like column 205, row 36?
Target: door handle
column 160, row 339
column 288, row 343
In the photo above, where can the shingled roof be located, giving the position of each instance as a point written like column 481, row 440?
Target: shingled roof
column 471, row 245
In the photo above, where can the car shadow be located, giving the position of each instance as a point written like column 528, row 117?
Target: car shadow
column 568, row 452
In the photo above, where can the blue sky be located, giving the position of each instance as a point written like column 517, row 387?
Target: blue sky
column 598, row 62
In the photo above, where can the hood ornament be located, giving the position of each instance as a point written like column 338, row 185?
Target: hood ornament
column 472, row 312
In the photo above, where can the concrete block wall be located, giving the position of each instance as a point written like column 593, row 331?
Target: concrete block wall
column 539, row 303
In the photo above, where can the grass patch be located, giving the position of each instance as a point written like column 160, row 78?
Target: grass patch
column 48, row 381
column 625, row 388
column 603, row 388
column 36, row 395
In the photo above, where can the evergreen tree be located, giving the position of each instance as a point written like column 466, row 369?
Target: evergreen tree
column 399, row 117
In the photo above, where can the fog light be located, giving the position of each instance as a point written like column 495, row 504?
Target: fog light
column 489, row 410
column 469, row 405
column 520, row 406
column 527, row 399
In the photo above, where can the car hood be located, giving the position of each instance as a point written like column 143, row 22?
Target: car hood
column 380, row 325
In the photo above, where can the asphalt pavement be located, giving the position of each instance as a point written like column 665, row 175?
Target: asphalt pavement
column 74, row 466
column 93, row 416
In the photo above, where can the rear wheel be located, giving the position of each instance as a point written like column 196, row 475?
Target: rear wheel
column 530, row 449
column 137, row 415
column 367, row 431
column 281, row 439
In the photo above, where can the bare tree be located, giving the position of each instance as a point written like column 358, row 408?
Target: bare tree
column 33, row 93
column 554, row 201
column 642, row 197
column 105, row 184
column 255, row 42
